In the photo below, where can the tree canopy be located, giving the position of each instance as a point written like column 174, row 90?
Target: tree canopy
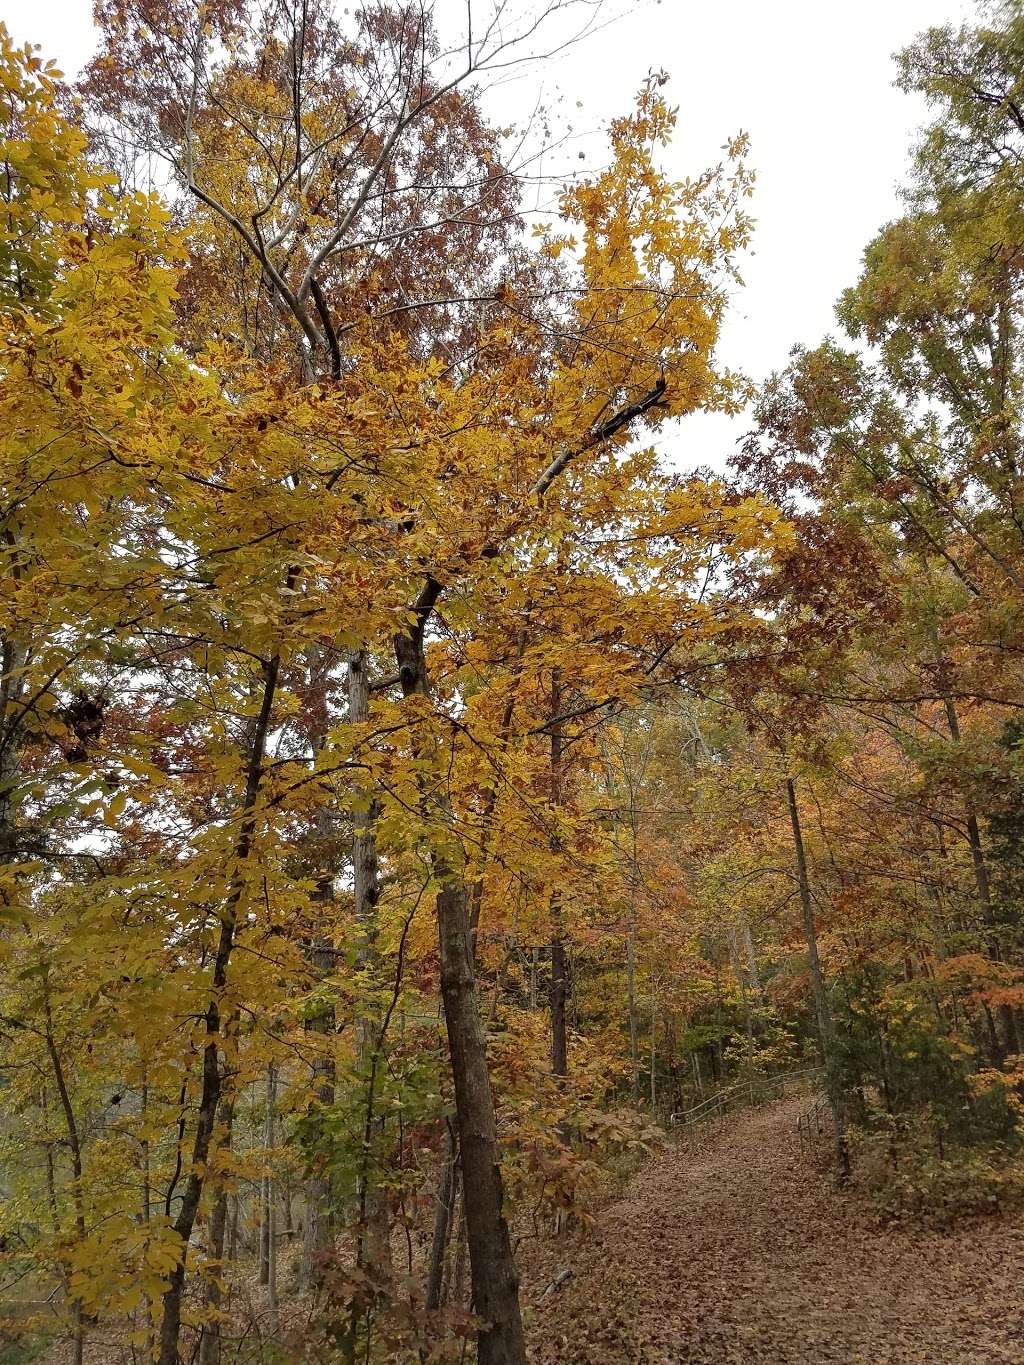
column 415, row 792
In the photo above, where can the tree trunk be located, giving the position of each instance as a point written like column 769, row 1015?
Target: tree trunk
column 634, row 1057
column 821, row 1002
column 559, row 978
column 146, row 1212
column 209, row 1099
column 718, row 1047
column 75, row 1148
column 457, row 1291
column 318, row 1223
column 233, row 1230
column 654, row 1053
column 490, row 806
column 494, row 1278
column 737, row 966
column 374, row 1237
column 267, row 1229
column 209, row 1345
column 13, row 659
column 443, row 1215
column 270, row 1209
column 1010, row 1042
column 289, row 1212
column 634, row 881
column 318, row 1228
column 559, row 992
column 748, row 945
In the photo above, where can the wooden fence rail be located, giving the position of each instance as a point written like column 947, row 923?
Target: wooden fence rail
column 814, row 1121
column 756, row 1091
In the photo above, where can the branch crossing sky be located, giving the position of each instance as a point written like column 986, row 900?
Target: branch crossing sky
column 809, row 80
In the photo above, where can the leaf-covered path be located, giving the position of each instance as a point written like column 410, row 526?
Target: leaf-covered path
column 744, row 1253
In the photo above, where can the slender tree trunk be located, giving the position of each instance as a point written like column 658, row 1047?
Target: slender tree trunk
column 654, row 1052
column 634, row 879
column 559, row 992
column 289, row 1213
column 748, row 945
column 1010, row 1042
column 821, row 1002
column 487, row 818
column 994, row 1045
column 75, row 1148
column 272, row 1278
column 269, row 1208
column 718, row 1047
column 209, row 1098
column 267, row 1231
column 146, row 1213
column 233, row 1230
column 559, row 979
column 737, row 966
column 374, row 1237
column 13, row 659
column 264, row 1275
column 457, row 1292
column 443, row 1214
column 318, row 1224
column 672, row 1061
column 494, row 1277
column 209, row 1345
column 634, row 1051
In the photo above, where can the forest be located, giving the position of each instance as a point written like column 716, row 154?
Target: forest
column 429, row 807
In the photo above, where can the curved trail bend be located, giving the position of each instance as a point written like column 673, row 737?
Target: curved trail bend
column 743, row 1254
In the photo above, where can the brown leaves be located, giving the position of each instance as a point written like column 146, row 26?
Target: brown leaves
column 746, row 1256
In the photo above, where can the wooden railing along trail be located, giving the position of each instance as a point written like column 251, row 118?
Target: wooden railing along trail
column 743, row 1095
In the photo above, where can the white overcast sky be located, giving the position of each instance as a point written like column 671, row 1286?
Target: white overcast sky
column 809, row 80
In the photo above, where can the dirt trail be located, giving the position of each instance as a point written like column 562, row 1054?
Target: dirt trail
column 744, row 1253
